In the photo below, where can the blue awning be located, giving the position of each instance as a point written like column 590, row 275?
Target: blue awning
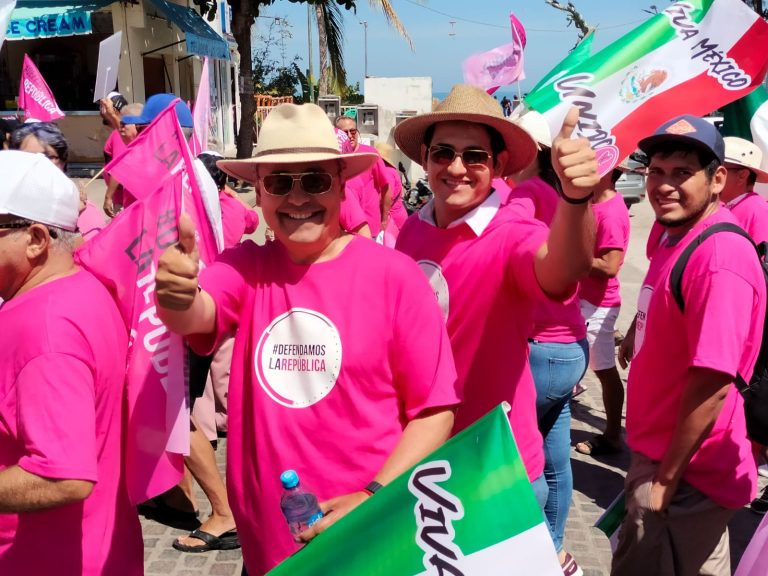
column 49, row 18
column 201, row 38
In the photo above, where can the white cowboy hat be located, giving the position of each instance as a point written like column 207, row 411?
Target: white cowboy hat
column 746, row 154
column 294, row 134
column 537, row 126
column 468, row 104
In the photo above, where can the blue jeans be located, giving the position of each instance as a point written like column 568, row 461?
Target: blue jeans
column 556, row 369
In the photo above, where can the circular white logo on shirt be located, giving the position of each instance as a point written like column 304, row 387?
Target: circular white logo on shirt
column 439, row 284
column 298, row 358
column 641, row 320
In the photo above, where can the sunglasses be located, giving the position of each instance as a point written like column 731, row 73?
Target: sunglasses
column 445, row 156
column 310, row 182
column 350, row 132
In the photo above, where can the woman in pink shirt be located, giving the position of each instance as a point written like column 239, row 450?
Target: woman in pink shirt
column 558, row 349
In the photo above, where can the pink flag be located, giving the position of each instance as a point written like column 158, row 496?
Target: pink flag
column 124, row 257
column 201, row 112
column 35, row 97
column 500, row 66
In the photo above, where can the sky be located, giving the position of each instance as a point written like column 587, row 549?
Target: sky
column 445, row 32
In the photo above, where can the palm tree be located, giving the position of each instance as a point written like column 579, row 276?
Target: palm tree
column 331, row 38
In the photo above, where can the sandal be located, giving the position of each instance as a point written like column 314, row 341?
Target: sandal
column 227, row 541
column 598, row 445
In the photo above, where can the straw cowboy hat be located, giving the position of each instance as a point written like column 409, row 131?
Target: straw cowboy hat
column 294, row 134
column 537, row 127
column 745, row 154
column 468, row 104
column 388, row 153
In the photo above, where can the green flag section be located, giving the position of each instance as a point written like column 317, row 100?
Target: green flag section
column 612, row 519
column 575, row 57
column 465, row 510
column 691, row 58
column 748, row 118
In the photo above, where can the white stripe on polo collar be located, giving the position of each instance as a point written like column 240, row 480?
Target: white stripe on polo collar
column 478, row 219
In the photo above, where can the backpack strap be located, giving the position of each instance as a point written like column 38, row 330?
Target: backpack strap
column 676, row 277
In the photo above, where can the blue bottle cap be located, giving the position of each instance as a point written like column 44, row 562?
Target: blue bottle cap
column 289, row 479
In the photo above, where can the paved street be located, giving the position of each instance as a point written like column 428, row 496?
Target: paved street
column 596, row 481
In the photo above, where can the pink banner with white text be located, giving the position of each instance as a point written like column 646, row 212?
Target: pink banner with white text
column 35, row 98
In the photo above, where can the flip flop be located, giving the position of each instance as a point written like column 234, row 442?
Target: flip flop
column 598, row 445
column 227, row 541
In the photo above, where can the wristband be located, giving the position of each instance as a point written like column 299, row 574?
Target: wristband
column 576, row 201
column 372, row 488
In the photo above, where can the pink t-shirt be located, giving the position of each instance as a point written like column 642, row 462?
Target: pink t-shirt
column 367, row 187
column 236, row 219
column 397, row 213
column 61, row 383
column 612, row 227
column 91, row 221
column 721, row 329
column 114, row 146
column 552, row 321
column 751, row 212
column 482, row 272
column 351, row 215
column 324, row 377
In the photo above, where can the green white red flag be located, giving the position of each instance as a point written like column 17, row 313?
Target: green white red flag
column 748, row 118
column 467, row 509
column 691, row 58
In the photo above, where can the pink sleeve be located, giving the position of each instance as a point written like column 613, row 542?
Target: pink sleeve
column 759, row 227
column 612, row 231
column 109, row 145
column 251, row 220
column 424, row 371
column 713, row 297
column 225, row 283
column 380, row 179
column 351, row 215
column 58, row 430
column 521, row 271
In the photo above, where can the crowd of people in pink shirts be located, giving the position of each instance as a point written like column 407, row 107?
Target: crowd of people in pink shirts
column 357, row 340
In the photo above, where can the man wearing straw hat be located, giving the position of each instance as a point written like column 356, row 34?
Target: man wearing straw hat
column 743, row 160
column 325, row 380
column 489, row 265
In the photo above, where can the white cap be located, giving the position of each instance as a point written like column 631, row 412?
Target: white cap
column 746, row 154
column 33, row 188
column 536, row 126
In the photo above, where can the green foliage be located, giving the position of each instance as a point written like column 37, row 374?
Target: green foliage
column 208, row 7
column 350, row 95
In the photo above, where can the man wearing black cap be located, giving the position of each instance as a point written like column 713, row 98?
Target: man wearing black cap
column 692, row 464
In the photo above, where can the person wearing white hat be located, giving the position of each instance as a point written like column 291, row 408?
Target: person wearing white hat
column 325, row 380
column 61, row 379
column 488, row 263
column 743, row 160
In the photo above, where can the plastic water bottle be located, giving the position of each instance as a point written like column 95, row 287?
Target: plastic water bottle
column 299, row 507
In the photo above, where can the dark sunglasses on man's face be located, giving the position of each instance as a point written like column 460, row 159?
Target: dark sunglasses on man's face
column 350, row 132
column 445, row 155
column 311, row 182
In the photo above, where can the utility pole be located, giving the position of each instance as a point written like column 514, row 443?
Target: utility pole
column 365, row 40
column 309, row 48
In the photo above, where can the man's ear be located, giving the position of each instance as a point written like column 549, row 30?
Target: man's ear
column 718, row 179
column 499, row 162
column 39, row 241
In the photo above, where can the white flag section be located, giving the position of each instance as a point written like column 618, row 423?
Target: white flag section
column 109, row 60
column 6, row 8
column 692, row 58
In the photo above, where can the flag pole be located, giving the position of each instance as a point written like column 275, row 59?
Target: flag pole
column 91, row 181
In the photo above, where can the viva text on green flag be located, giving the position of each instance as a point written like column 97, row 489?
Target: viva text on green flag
column 465, row 510
column 691, row 58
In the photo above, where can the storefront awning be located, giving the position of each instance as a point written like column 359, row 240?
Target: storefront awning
column 201, row 38
column 48, row 18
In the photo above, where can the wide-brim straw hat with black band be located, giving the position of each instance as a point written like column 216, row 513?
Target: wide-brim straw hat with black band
column 296, row 134
column 468, row 104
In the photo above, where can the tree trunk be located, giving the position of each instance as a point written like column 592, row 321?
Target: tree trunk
column 324, row 80
column 243, row 16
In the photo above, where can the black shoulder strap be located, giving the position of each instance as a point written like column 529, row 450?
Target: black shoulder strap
column 676, row 277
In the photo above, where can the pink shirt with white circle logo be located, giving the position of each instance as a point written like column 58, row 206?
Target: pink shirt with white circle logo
column 331, row 361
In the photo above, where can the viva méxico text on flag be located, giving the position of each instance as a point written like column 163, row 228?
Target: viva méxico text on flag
column 467, row 509
column 692, row 58
column 35, row 98
column 124, row 257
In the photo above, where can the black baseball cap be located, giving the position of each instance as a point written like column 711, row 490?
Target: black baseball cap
column 690, row 130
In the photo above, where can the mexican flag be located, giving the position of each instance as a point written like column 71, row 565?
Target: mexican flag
column 581, row 52
column 467, row 509
column 748, row 118
column 691, row 58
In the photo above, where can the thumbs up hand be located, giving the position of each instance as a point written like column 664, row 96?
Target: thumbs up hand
column 574, row 161
column 176, row 283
